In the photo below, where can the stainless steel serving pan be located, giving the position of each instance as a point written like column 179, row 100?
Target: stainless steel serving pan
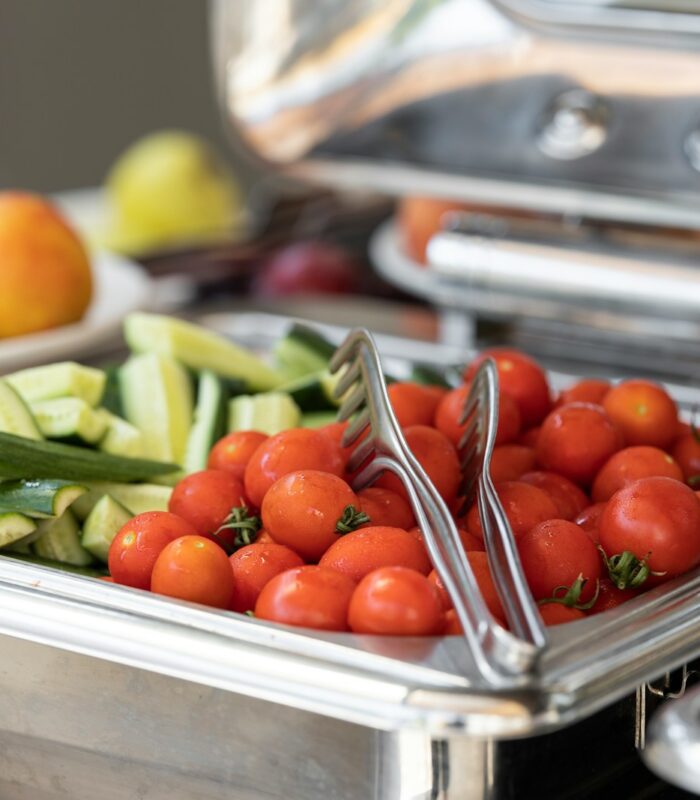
column 106, row 684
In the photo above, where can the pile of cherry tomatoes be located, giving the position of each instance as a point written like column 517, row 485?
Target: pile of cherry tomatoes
column 596, row 483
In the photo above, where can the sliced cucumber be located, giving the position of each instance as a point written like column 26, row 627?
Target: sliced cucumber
column 69, row 418
column 21, row 547
column 14, row 527
column 23, row 458
column 209, row 421
column 87, row 572
column 429, row 376
column 135, row 497
column 111, row 397
column 197, row 348
column 39, row 498
column 60, row 541
column 303, row 351
column 157, row 397
column 317, row 419
column 63, row 379
column 102, row 525
column 15, row 416
column 268, row 413
column 121, row 437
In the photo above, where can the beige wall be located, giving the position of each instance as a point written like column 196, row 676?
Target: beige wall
column 80, row 79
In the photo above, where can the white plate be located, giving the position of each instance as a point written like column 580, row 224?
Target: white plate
column 120, row 286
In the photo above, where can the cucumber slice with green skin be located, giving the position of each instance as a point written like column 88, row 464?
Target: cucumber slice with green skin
column 87, row 572
column 209, row 421
column 429, row 376
column 15, row 416
column 157, row 398
column 111, row 397
column 39, row 498
column 137, row 498
column 317, row 419
column 303, row 351
column 23, row 458
column 63, row 379
column 121, row 437
column 60, row 541
column 268, row 413
column 101, row 526
column 14, row 527
column 21, row 547
column 198, row 348
column 309, row 392
column 69, row 418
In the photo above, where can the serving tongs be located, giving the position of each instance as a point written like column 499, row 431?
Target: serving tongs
column 504, row 658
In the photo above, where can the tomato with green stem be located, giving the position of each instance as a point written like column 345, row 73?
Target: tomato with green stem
column 558, row 614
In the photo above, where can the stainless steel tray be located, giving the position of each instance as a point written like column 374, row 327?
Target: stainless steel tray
column 109, row 680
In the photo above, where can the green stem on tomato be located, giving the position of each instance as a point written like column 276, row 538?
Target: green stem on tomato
column 351, row 520
column 571, row 596
column 245, row 524
column 626, row 571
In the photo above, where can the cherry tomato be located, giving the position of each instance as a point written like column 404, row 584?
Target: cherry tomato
column 554, row 554
column 309, row 510
column 510, row 461
column 308, row 597
column 253, row 567
column 590, row 390
column 233, row 452
column 438, row 457
column 609, row 596
column 357, row 554
column 524, row 505
column 630, row 464
column 480, row 567
column 644, row 412
column 205, row 499
column 589, row 521
column 558, row 614
column 576, row 440
column 413, row 404
column 451, row 406
column 106, row 579
column 138, row 544
column 453, row 627
column 396, row 601
column 523, row 379
column 445, row 599
column 263, row 537
column 529, row 437
column 384, row 507
column 289, row 451
column 686, row 452
column 195, row 569
column 657, row 519
column 569, row 499
column 336, row 431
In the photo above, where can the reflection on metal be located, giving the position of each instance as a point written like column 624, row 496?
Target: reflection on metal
column 573, row 126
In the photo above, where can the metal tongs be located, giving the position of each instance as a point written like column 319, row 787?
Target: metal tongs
column 504, row 658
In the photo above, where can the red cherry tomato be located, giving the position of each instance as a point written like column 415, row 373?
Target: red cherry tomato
column 396, row 601
column 576, row 440
column 529, row 437
column 630, row 464
column 569, row 499
column 657, row 519
column 205, row 499
column 589, row 521
column 453, row 627
column 413, row 404
column 336, row 431
column 523, row 379
column 195, row 569
column 558, row 614
column 590, row 390
column 686, row 452
column 554, row 554
column 233, row 452
column 451, row 406
column 138, row 544
column 644, row 412
column 307, row 509
column 480, row 567
column 289, row 451
column 510, row 461
column 609, row 596
column 524, row 505
column 445, row 599
column 308, row 597
column 387, row 508
column 253, row 567
column 359, row 553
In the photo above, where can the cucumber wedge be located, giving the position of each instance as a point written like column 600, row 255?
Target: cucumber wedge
column 69, row 418
column 317, row 419
column 209, row 421
column 111, row 397
column 14, row 527
column 86, row 572
column 121, row 437
column 15, row 416
column 64, row 379
column 268, row 413
column 23, row 458
column 137, row 498
column 102, row 525
column 197, row 348
column 39, row 498
column 302, row 352
column 157, row 397
column 60, row 541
